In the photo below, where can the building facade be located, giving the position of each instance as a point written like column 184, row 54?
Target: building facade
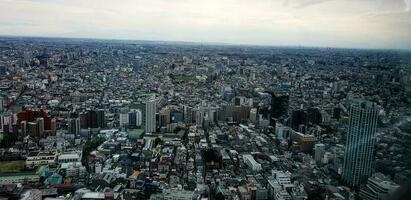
column 359, row 149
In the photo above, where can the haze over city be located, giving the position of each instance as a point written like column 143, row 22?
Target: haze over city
column 318, row 23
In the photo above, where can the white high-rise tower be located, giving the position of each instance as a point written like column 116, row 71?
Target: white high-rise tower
column 359, row 148
column 151, row 116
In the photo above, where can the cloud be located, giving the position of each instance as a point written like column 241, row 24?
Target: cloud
column 407, row 5
column 303, row 3
column 340, row 23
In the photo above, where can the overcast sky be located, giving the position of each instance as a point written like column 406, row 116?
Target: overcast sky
column 332, row 23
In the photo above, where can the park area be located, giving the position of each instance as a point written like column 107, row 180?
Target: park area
column 11, row 166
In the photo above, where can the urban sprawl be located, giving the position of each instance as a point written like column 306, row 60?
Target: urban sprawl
column 101, row 119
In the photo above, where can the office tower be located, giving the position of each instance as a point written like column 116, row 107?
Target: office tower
column 3, row 70
column 139, row 118
column 1, row 104
column 15, row 132
column 279, row 105
column 134, row 118
column 84, row 120
column 199, row 118
column 53, row 126
column 187, row 114
column 32, row 127
column 40, row 126
column 23, row 128
column 176, row 116
column 123, row 119
column 74, row 126
column 359, row 148
column 319, row 151
column 253, row 115
column 101, row 119
column 92, row 119
column 314, row 116
column 164, row 116
column 5, row 119
column 298, row 117
column 151, row 116
column 32, row 115
column 213, row 115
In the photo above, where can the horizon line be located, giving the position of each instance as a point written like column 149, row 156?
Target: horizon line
column 203, row 43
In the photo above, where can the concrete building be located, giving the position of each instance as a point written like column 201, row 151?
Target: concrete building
column 36, row 159
column 70, row 157
column 251, row 163
column 359, row 149
column 319, row 151
column 378, row 187
column 151, row 116
column 74, row 126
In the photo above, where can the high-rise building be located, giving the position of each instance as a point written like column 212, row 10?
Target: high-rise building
column 359, row 149
column 132, row 119
column 139, row 118
column 92, row 119
column 32, row 128
column 199, row 118
column 151, row 116
column 40, row 126
column 378, row 186
column 5, row 119
column 279, row 104
column 298, row 117
column 32, row 115
column 84, row 120
column 1, row 104
column 123, row 119
column 314, row 116
column 74, row 126
column 253, row 115
column 187, row 114
column 319, row 151
column 23, row 128
column 53, row 126
column 101, row 119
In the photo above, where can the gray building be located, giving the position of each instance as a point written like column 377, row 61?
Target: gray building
column 359, row 149
column 151, row 116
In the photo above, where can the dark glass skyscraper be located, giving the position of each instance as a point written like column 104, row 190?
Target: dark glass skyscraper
column 359, row 149
column 279, row 104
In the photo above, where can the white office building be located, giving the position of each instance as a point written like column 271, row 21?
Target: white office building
column 251, row 163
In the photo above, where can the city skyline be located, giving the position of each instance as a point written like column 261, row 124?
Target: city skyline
column 322, row 23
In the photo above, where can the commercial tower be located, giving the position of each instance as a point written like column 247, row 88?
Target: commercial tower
column 74, row 126
column 151, row 116
column 359, row 148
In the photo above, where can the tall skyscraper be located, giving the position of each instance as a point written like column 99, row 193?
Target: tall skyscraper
column 123, row 119
column 101, row 119
column 23, row 128
column 74, row 126
column 139, row 118
column 319, row 151
column 359, row 148
column 40, row 126
column 151, row 116
column 134, row 118
column 187, row 114
column 279, row 104
column 1, row 104
column 92, row 119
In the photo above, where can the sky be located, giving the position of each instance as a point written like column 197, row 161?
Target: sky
column 317, row 23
